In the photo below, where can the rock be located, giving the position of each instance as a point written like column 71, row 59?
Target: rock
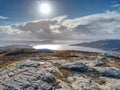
column 27, row 76
column 48, row 73
column 111, row 72
column 81, row 83
column 27, row 65
column 63, row 86
column 78, row 67
column 99, row 63
column 111, row 83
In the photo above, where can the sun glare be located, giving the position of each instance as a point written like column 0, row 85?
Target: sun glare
column 45, row 8
column 52, row 47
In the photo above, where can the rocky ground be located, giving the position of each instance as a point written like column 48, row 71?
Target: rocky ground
column 61, row 70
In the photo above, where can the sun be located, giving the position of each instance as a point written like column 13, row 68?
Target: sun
column 45, row 8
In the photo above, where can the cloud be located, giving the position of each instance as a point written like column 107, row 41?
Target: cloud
column 60, row 18
column 116, row 5
column 2, row 17
column 10, row 33
column 96, row 26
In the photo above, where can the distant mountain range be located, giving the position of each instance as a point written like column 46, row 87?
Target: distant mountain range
column 110, row 45
column 10, row 47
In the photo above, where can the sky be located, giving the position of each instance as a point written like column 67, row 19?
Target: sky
column 26, row 10
column 68, row 19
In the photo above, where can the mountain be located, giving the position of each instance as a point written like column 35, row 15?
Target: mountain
column 24, row 69
column 10, row 47
column 110, row 45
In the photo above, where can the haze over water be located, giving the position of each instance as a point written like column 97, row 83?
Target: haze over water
column 53, row 45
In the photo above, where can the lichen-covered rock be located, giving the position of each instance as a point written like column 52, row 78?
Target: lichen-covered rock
column 63, row 86
column 78, row 67
column 28, row 76
column 111, row 72
column 99, row 63
column 80, row 83
column 85, row 73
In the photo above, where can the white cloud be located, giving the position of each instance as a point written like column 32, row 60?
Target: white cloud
column 2, row 17
column 60, row 18
column 116, row 5
column 103, row 25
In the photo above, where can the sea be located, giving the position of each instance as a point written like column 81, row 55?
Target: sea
column 53, row 45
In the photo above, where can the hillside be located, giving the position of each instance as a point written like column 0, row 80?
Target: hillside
column 110, row 45
column 58, row 70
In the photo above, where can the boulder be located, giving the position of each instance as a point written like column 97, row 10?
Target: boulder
column 111, row 72
column 78, row 67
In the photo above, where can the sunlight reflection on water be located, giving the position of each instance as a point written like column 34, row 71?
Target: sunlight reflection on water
column 52, row 47
column 67, row 47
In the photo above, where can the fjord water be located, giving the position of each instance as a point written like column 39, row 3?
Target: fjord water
column 67, row 47
column 53, row 45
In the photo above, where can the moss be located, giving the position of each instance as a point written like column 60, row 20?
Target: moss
column 74, row 87
column 7, row 65
column 99, row 81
